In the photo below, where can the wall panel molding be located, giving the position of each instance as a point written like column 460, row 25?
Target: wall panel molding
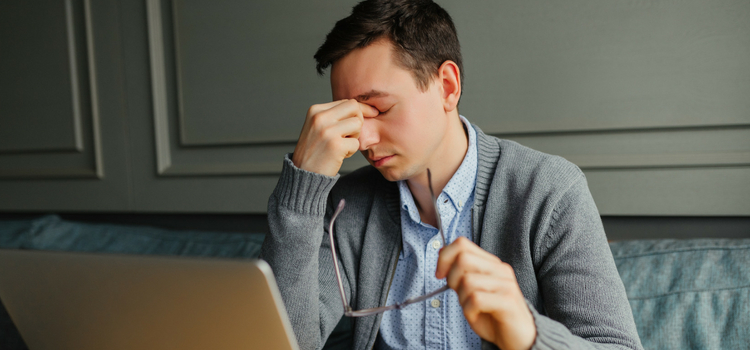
column 673, row 147
column 592, row 65
column 580, row 139
column 83, row 158
column 649, row 102
column 176, row 155
column 158, row 85
column 660, row 161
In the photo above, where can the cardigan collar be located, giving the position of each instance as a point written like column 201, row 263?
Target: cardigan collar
column 488, row 154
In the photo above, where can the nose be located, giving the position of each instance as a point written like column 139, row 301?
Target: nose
column 368, row 136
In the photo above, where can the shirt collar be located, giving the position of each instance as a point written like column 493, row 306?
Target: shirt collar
column 461, row 185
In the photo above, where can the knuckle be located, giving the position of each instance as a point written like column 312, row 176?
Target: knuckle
column 325, row 133
column 316, row 119
column 323, row 115
column 473, row 299
column 469, row 282
column 311, row 111
column 351, row 144
column 462, row 242
column 506, row 268
column 462, row 259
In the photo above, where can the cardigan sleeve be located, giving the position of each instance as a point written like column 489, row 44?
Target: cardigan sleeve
column 298, row 252
column 585, row 305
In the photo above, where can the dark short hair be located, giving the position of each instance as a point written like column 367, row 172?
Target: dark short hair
column 421, row 32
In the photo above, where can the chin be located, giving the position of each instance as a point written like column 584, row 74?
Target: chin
column 394, row 174
column 390, row 174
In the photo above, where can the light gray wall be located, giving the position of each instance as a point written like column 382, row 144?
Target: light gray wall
column 188, row 105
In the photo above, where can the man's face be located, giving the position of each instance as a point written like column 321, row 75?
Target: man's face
column 405, row 138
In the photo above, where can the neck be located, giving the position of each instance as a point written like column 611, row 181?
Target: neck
column 444, row 163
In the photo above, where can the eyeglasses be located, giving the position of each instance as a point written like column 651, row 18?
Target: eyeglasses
column 373, row 311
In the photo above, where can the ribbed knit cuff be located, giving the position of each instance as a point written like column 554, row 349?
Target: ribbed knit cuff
column 550, row 334
column 303, row 191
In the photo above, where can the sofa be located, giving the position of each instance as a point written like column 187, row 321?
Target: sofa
column 685, row 294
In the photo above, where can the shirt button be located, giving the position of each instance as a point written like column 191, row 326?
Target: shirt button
column 435, row 303
column 435, row 244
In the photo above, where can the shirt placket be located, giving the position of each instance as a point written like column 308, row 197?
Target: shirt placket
column 436, row 306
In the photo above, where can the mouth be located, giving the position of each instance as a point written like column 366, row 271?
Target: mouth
column 379, row 161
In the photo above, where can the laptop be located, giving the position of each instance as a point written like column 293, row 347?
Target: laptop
column 85, row 301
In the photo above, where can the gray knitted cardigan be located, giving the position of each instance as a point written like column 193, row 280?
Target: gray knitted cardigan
column 532, row 210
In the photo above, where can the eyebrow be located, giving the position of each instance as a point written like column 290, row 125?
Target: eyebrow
column 371, row 94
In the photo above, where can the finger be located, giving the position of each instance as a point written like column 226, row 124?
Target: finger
column 315, row 109
column 448, row 255
column 482, row 302
column 471, row 283
column 346, row 109
column 350, row 146
column 368, row 111
column 348, row 128
column 501, row 319
column 469, row 262
column 338, row 111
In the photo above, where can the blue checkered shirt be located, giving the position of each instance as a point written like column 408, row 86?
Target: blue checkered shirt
column 437, row 323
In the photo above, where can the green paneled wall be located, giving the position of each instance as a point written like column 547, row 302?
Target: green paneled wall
column 189, row 105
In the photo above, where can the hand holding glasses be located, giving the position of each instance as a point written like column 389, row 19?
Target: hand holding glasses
column 373, row 311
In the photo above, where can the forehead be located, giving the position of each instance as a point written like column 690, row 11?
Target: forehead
column 368, row 69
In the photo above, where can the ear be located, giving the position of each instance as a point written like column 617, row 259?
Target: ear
column 449, row 80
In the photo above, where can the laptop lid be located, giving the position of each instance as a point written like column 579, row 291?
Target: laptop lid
column 84, row 301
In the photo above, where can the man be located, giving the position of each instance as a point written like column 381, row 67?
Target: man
column 527, row 263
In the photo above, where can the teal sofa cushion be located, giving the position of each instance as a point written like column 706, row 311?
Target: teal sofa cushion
column 52, row 233
column 688, row 294
column 685, row 294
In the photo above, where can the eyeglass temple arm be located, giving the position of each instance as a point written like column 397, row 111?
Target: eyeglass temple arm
column 377, row 310
column 435, row 205
column 339, row 208
column 366, row 312
column 422, row 297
